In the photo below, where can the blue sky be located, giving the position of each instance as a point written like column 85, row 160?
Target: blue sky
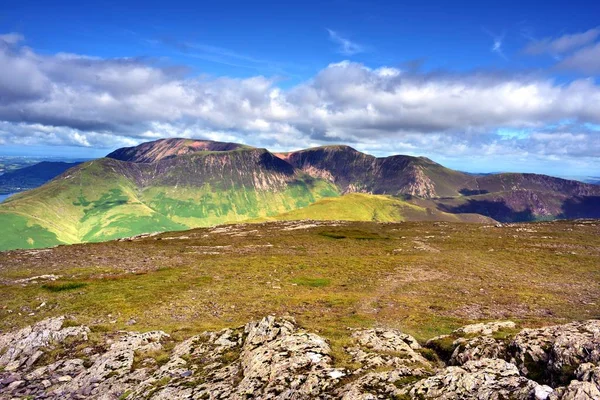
column 478, row 86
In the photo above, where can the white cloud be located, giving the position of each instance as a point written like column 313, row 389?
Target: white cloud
column 85, row 101
column 346, row 46
column 11, row 38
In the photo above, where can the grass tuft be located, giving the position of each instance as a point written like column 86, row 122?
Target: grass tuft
column 312, row 282
column 61, row 287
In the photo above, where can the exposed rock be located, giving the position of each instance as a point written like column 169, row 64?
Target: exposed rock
column 589, row 372
column 23, row 346
column 39, row 277
column 380, row 348
column 109, row 376
column 553, row 354
column 375, row 385
column 485, row 379
column 472, row 342
column 392, row 348
column 542, row 392
column 266, row 359
column 274, row 359
column 587, row 385
column 477, row 348
column 485, row 328
column 577, row 390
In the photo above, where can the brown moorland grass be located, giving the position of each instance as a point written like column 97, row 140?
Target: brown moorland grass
column 423, row 278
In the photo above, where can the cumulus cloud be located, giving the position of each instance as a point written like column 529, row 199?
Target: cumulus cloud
column 348, row 101
column 562, row 44
column 346, row 46
column 67, row 99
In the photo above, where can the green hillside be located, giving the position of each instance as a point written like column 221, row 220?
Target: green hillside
column 377, row 208
column 107, row 199
column 177, row 184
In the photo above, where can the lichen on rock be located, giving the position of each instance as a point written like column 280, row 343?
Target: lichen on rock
column 273, row 358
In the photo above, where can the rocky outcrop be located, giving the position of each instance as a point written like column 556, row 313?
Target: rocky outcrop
column 275, row 359
column 353, row 171
column 394, row 355
column 553, row 354
column 380, row 347
column 268, row 359
column 24, row 347
column 587, row 385
column 474, row 342
column 485, row 379
column 111, row 375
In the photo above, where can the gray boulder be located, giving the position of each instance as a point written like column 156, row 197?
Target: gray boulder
column 553, row 354
column 23, row 347
column 485, row 379
column 473, row 342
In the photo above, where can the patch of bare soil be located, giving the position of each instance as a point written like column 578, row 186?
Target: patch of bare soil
column 422, row 246
column 392, row 282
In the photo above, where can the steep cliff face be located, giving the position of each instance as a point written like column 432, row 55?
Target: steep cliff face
column 350, row 170
column 353, row 171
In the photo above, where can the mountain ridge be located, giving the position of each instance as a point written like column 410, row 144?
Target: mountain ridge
column 177, row 184
column 160, row 149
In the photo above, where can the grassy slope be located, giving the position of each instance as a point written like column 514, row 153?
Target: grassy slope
column 91, row 198
column 98, row 201
column 377, row 208
column 447, row 182
column 60, row 205
column 206, row 206
column 424, row 278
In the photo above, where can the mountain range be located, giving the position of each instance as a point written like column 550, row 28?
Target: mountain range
column 177, row 184
column 32, row 176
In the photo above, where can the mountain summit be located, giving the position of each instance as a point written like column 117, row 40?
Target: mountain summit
column 176, row 184
column 353, row 171
column 168, row 148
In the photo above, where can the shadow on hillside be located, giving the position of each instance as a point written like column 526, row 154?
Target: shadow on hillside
column 497, row 210
column 275, row 164
column 472, row 192
column 581, row 207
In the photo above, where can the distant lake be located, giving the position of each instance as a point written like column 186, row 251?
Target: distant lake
column 5, row 196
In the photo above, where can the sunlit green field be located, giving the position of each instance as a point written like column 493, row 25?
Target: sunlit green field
column 99, row 201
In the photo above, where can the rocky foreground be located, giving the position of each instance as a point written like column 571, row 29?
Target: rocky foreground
column 275, row 359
